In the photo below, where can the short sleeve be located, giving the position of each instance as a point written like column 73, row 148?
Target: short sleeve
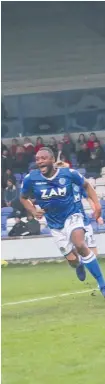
column 26, row 186
column 77, row 178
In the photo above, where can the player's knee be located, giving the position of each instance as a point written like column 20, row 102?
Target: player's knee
column 81, row 247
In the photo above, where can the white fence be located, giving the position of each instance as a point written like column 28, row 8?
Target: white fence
column 40, row 247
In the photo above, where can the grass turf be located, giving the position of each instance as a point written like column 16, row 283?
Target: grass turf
column 58, row 341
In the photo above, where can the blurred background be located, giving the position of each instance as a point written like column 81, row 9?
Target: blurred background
column 53, row 90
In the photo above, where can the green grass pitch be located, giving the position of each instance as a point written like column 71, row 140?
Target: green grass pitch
column 54, row 341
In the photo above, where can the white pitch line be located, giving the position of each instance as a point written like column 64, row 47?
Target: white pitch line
column 37, row 299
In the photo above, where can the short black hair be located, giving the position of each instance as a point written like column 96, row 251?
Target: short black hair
column 49, row 150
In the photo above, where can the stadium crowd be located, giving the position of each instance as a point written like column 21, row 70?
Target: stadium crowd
column 18, row 159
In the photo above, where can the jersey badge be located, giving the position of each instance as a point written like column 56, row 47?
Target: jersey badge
column 62, row 181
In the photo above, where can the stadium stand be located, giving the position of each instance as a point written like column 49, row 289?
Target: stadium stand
column 100, row 181
column 53, row 82
column 53, row 94
column 64, row 44
column 98, row 184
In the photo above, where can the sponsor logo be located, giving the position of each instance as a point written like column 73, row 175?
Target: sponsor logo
column 40, row 183
column 45, row 194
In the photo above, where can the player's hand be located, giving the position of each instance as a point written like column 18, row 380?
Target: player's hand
column 97, row 211
column 61, row 164
column 39, row 213
column 100, row 220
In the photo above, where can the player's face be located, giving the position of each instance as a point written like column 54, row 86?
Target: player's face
column 44, row 162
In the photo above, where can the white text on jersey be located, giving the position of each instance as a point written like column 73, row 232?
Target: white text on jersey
column 52, row 193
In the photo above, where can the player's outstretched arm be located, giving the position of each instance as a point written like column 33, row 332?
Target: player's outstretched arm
column 36, row 212
column 28, row 205
column 100, row 219
column 93, row 198
column 26, row 188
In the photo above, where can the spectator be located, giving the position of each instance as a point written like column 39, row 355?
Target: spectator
column 28, row 146
column 81, row 140
column 99, row 152
column 19, row 228
column 8, row 175
column 10, row 193
column 91, row 141
column 29, row 150
column 2, row 198
column 20, row 163
column 68, row 147
column 53, row 146
column 32, row 226
column 6, row 161
column 13, row 148
column 61, row 157
column 83, row 155
column 97, row 157
column 39, row 144
column 2, row 178
column 3, row 147
column 20, row 150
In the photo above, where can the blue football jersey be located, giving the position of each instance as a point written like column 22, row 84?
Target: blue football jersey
column 79, row 193
column 55, row 195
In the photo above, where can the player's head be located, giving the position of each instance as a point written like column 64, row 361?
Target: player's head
column 45, row 161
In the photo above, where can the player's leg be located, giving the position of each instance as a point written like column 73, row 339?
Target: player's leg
column 88, row 257
column 62, row 240
column 71, row 253
column 74, row 260
column 94, row 250
column 90, row 239
column 91, row 243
